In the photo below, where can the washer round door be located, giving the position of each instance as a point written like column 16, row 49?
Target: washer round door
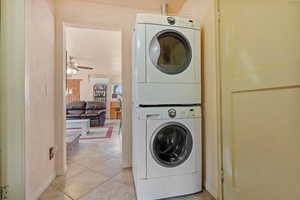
column 171, row 145
column 170, row 52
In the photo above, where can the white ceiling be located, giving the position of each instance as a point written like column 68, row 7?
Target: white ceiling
column 174, row 5
column 96, row 48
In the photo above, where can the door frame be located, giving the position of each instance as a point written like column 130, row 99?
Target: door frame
column 61, row 160
column 217, row 13
column 13, row 101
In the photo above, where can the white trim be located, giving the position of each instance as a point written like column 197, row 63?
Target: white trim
column 212, row 190
column 60, row 160
column 43, row 187
column 126, row 164
column 12, row 71
column 220, row 192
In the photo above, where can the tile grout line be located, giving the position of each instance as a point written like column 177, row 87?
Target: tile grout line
column 91, row 170
column 95, row 170
column 98, row 185
column 87, row 169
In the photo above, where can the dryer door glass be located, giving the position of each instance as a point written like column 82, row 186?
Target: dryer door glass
column 170, row 52
column 172, row 145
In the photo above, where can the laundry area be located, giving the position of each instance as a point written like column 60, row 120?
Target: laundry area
column 149, row 100
column 167, row 112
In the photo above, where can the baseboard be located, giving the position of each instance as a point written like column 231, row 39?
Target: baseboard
column 43, row 187
column 62, row 171
column 212, row 190
column 126, row 164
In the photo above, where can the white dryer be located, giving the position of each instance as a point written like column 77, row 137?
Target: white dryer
column 167, row 151
column 166, row 60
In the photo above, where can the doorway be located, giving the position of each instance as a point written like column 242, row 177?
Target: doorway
column 94, row 100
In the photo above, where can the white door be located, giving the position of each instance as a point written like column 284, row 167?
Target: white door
column 260, row 67
column 12, row 98
column 172, row 54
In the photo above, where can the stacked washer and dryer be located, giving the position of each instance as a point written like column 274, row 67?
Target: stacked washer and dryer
column 167, row 157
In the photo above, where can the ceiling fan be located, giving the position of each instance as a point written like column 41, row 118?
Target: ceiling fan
column 74, row 67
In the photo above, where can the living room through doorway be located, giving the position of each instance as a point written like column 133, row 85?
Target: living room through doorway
column 93, row 133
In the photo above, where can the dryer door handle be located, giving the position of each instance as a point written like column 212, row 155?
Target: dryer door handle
column 155, row 51
column 153, row 116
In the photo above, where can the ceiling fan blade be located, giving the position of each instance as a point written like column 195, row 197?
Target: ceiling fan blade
column 85, row 67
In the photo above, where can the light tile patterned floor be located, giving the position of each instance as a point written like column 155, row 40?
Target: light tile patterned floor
column 95, row 173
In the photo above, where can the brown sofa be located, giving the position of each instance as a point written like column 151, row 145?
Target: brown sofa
column 94, row 111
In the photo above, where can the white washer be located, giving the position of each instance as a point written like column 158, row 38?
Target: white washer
column 166, row 60
column 167, row 151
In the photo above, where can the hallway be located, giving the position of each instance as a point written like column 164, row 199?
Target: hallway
column 95, row 173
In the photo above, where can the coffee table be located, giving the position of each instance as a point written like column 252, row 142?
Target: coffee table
column 78, row 125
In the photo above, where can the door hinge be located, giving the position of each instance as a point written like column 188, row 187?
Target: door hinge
column 3, row 192
column 222, row 176
column 219, row 16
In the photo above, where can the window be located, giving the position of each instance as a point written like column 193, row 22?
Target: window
column 116, row 90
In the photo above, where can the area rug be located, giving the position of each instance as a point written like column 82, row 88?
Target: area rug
column 104, row 132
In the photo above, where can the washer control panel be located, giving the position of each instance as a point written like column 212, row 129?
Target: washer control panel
column 172, row 113
column 192, row 112
column 159, row 113
column 171, row 20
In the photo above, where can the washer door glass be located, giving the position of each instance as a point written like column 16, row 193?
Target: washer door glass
column 170, row 52
column 172, row 145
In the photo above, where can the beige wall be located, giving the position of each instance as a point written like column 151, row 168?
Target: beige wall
column 93, row 15
column 97, row 48
column 174, row 6
column 40, row 133
column 204, row 11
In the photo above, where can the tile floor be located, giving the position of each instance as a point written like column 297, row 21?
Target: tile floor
column 95, row 173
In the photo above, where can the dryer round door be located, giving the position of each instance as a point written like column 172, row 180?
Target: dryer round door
column 171, row 144
column 170, row 52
